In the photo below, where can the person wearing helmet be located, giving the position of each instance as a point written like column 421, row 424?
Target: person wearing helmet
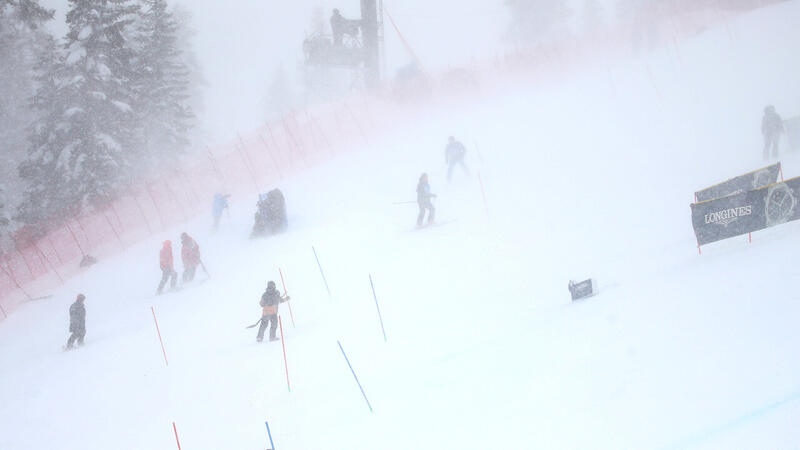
column 771, row 128
column 269, row 311
column 190, row 254
column 424, row 197
column 167, row 268
column 77, row 322
column 454, row 155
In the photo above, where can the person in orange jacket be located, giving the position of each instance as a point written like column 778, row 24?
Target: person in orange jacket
column 269, row 311
column 190, row 254
column 167, row 267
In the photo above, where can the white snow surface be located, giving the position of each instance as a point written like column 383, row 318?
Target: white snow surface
column 589, row 177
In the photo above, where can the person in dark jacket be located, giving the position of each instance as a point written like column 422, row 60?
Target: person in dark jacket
column 424, row 197
column 454, row 155
column 167, row 267
column 269, row 311
column 341, row 27
column 771, row 128
column 190, row 254
column 77, row 322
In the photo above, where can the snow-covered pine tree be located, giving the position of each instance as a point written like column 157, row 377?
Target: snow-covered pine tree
column 533, row 21
column 162, row 87
column 81, row 151
column 22, row 39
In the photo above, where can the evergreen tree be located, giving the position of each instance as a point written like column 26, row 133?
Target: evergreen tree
column 81, row 151
column 185, row 38
column 162, row 87
column 3, row 218
column 22, row 39
column 537, row 20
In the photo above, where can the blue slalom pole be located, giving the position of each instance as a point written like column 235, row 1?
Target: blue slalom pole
column 321, row 271
column 377, row 306
column 271, row 445
column 354, row 375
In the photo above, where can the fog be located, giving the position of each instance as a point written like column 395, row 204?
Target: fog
column 241, row 46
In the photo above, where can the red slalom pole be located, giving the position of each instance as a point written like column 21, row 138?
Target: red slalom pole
column 176, row 435
column 162, row 347
column 289, row 303
column 285, row 364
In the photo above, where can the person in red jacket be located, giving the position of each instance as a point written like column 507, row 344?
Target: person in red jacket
column 190, row 253
column 167, row 268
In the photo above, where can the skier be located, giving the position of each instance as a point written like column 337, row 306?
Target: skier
column 269, row 311
column 454, row 155
column 77, row 322
column 220, row 205
column 771, row 128
column 424, row 200
column 167, row 268
column 190, row 254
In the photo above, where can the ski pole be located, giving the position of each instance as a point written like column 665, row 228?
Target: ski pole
column 163, row 350
column 354, row 375
column 255, row 324
column 285, row 363
column 271, row 445
column 404, row 203
column 204, row 268
column 176, row 435
column 321, row 272
column 379, row 308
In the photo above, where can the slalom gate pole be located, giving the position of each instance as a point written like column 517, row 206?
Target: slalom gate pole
column 163, row 350
column 176, row 435
column 289, row 303
column 377, row 306
column 271, row 445
column 354, row 375
column 285, row 363
column 322, row 272
column 483, row 193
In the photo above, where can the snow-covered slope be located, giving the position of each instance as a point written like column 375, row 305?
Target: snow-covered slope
column 589, row 177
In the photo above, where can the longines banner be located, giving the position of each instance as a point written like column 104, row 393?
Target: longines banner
column 743, row 183
column 743, row 213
